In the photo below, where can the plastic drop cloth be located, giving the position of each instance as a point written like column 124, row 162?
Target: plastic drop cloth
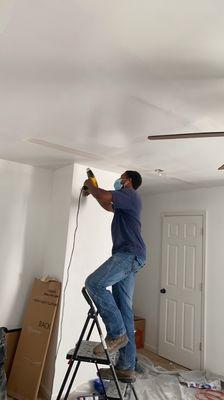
column 157, row 383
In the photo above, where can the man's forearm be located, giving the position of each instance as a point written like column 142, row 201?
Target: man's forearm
column 107, row 206
column 101, row 195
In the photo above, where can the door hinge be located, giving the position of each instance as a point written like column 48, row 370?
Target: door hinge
column 202, row 231
column 200, row 346
column 201, row 286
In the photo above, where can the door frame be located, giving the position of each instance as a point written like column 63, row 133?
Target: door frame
column 203, row 214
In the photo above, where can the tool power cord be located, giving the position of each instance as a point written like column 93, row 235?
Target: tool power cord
column 68, row 271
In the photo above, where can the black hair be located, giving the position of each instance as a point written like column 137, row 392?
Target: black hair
column 135, row 177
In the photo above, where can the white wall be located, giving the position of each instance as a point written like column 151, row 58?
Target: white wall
column 93, row 246
column 24, row 204
column 57, row 232
column 148, row 282
column 37, row 221
column 55, row 252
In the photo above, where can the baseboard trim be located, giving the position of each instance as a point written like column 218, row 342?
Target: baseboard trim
column 152, row 348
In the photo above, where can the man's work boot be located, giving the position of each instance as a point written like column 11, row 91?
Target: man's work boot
column 123, row 375
column 113, row 345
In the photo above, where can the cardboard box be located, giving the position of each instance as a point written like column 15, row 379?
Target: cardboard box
column 139, row 331
column 28, row 364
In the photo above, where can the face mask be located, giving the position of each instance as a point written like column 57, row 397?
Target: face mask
column 118, row 184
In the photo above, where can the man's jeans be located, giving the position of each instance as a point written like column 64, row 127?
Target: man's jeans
column 115, row 308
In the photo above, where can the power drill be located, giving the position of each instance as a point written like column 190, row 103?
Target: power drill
column 91, row 176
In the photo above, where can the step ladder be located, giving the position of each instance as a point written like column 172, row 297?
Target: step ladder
column 83, row 352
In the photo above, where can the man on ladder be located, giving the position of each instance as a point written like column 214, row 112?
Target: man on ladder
column 119, row 272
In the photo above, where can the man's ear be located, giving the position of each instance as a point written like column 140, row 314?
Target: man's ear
column 130, row 180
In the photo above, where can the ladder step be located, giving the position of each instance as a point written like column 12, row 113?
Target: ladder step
column 112, row 392
column 86, row 354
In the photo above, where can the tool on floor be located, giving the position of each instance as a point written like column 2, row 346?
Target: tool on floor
column 83, row 352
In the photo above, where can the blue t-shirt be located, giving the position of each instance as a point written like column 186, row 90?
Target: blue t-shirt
column 126, row 224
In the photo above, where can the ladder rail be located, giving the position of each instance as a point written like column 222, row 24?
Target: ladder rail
column 109, row 359
column 134, row 391
column 65, row 380
column 72, row 380
column 101, row 380
column 88, row 298
column 71, row 362
column 92, row 314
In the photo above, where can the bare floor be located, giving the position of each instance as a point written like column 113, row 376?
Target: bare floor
column 160, row 361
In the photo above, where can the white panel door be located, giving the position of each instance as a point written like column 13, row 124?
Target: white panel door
column 181, row 290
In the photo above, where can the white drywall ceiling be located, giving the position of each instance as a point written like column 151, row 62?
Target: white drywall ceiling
column 95, row 78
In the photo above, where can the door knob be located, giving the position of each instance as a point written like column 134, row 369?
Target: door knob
column 163, row 290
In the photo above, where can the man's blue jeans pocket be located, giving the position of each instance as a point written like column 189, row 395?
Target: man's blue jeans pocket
column 138, row 263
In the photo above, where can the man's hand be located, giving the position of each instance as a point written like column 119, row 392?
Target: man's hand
column 88, row 183
column 86, row 191
column 104, row 196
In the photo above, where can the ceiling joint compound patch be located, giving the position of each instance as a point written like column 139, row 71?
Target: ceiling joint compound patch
column 65, row 149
